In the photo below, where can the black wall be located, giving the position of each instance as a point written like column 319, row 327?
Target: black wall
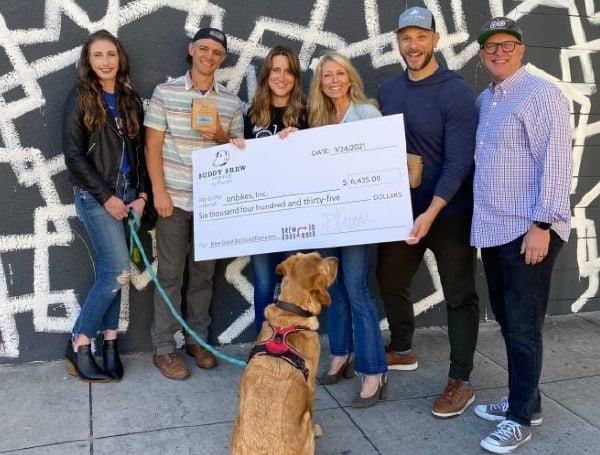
column 46, row 265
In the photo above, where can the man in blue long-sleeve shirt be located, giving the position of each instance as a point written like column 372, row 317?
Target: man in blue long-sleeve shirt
column 440, row 122
column 522, row 217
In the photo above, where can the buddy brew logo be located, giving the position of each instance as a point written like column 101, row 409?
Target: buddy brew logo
column 298, row 232
column 221, row 158
column 221, row 172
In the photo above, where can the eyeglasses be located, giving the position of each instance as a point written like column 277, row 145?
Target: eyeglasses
column 507, row 46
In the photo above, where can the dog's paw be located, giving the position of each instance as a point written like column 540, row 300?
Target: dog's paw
column 317, row 430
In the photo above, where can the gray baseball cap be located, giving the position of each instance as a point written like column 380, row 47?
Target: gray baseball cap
column 416, row 17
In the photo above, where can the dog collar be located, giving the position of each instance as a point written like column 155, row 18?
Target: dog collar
column 293, row 308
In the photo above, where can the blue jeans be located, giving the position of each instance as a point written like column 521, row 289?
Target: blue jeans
column 109, row 240
column 265, row 282
column 352, row 317
column 519, row 298
column 175, row 250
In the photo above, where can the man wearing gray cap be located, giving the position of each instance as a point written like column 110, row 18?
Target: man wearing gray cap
column 185, row 114
column 522, row 217
column 440, row 122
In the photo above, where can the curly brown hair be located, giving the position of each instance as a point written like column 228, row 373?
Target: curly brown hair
column 90, row 91
column 260, row 110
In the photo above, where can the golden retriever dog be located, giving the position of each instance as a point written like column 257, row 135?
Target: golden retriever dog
column 277, row 391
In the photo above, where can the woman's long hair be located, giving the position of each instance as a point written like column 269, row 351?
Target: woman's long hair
column 295, row 111
column 90, row 91
column 321, row 110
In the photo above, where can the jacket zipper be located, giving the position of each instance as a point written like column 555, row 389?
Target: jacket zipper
column 116, row 130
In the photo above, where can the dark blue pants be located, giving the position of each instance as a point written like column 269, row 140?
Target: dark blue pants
column 352, row 317
column 265, row 282
column 519, row 295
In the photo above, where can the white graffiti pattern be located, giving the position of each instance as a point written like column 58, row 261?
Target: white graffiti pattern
column 32, row 168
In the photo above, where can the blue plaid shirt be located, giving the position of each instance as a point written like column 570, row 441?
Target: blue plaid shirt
column 523, row 162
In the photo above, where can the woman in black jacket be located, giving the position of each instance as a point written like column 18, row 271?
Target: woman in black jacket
column 102, row 132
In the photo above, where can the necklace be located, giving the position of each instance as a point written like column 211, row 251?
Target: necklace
column 340, row 114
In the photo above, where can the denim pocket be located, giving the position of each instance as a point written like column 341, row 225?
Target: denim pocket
column 85, row 197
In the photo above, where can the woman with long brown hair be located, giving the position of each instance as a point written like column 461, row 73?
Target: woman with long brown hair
column 278, row 107
column 102, row 133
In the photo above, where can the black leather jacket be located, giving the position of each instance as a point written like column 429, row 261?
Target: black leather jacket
column 94, row 159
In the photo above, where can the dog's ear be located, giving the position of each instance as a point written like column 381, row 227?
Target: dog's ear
column 284, row 267
column 318, row 291
column 332, row 266
column 324, row 280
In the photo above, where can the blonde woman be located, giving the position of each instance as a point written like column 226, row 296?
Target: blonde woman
column 337, row 96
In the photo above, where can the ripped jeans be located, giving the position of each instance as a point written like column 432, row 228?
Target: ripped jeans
column 108, row 237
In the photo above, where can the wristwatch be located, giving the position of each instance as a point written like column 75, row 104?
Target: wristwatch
column 542, row 225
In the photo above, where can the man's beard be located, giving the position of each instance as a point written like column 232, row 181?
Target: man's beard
column 428, row 56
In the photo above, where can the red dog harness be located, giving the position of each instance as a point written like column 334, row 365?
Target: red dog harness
column 277, row 346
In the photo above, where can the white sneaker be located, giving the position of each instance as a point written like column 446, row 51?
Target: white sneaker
column 496, row 412
column 507, row 437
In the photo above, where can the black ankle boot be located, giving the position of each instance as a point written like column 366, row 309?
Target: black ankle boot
column 83, row 365
column 111, row 360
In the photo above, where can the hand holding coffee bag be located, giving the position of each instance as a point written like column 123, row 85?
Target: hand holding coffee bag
column 204, row 115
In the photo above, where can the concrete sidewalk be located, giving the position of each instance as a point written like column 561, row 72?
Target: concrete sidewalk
column 45, row 411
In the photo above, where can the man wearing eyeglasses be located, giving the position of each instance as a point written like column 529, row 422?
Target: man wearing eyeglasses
column 174, row 129
column 521, row 219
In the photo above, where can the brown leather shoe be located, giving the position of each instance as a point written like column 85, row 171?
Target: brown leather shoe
column 204, row 358
column 171, row 366
column 453, row 400
column 405, row 362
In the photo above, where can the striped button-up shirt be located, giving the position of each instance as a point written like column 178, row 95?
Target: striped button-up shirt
column 170, row 111
column 523, row 160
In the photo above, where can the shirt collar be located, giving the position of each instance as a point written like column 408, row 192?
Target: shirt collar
column 189, row 84
column 510, row 84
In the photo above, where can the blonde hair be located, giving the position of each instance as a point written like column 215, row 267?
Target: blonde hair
column 321, row 110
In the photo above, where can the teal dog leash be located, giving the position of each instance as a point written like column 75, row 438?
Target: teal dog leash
column 135, row 244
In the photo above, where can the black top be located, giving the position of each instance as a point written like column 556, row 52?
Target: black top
column 94, row 159
column 252, row 131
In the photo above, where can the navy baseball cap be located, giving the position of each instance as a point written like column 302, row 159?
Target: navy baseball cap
column 211, row 33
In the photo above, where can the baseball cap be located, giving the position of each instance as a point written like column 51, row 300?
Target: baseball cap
column 416, row 17
column 499, row 25
column 211, row 33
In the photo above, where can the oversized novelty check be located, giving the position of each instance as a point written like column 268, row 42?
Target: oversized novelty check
column 336, row 185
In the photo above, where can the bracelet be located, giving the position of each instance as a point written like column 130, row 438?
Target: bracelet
column 143, row 199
